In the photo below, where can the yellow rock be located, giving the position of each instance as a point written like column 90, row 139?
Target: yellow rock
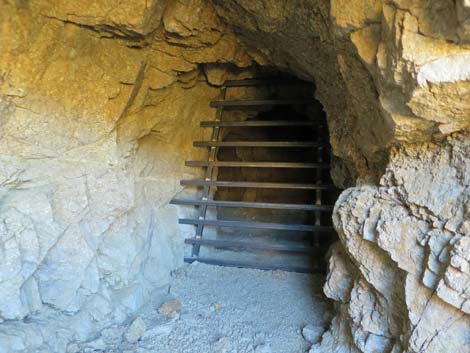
column 355, row 14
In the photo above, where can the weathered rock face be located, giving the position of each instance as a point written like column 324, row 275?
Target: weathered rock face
column 387, row 72
column 99, row 103
column 402, row 282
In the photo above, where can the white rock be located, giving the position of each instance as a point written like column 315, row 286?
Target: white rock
column 136, row 330
column 396, row 230
column 263, row 348
column 312, row 334
column 111, row 335
column 160, row 330
column 73, row 348
column 10, row 343
column 97, row 344
column 222, row 345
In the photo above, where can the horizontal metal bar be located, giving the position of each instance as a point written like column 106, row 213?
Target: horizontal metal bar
column 257, row 123
column 257, row 144
column 255, row 184
column 260, row 102
column 257, row 164
column 263, row 82
column 256, row 265
column 256, row 225
column 264, row 205
column 229, row 244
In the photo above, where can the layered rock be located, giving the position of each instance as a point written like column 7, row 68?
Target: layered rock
column 402, row 279
column 393, row 77
column 100, row 103
column 387, row 72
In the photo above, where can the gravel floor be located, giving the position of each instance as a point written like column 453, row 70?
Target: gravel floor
column 225, row 310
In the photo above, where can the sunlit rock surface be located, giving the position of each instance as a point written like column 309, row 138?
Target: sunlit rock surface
column 394, row 80
column 100, row 102
column 401, row 278
column 387, row 72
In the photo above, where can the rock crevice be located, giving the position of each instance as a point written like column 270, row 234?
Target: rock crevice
column 408, row 239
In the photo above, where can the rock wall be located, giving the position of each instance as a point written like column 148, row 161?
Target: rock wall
column 393, row 77
column 387, row 72
column 401, row 282
column 99, row 105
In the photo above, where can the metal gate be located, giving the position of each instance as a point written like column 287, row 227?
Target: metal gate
column 320, row 232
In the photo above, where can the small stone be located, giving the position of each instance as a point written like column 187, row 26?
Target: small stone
column 263, row 348
column 259, row 338
column 111, row 335
column 73, row 348
column 170, row 309
column 95, row 345
column 136, row 330
column 160, row 330
column 312, row 334
column 143, row 350
column 216, row 307
column 222, row 345
column 278, row 274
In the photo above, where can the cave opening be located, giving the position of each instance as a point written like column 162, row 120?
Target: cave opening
column 267, row 192
column 263, row 201
column 100, row 102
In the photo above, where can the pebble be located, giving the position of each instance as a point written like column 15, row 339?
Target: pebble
column 136, row 330
column 222, row 345
column 263, row 348
column 160, row 330
column 112, row 335
column 170, row 309
column 73, row 348
column 312, row 334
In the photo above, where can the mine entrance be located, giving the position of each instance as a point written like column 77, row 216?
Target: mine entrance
column 267, row 196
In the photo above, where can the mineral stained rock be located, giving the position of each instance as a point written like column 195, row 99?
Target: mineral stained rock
column 99, row 103
column 394, row 79
column 387, row 72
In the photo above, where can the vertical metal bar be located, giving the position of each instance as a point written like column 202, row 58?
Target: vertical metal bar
column 318, row 193
column 208, row 175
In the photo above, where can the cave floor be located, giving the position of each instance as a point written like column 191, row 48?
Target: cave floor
column 231, row 310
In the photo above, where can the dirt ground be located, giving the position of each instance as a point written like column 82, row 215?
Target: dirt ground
column 212, row 309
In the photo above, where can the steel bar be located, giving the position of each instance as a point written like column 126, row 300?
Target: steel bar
column 259, row 123
column 255, row 184
column 256, row 225
column 257, row 164
column 263, row 205
column 208, row 175
column 318, row 192
column 260, row 102
column 229, row 244
column 256, row 144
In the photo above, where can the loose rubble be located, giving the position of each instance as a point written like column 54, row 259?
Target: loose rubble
column 136, row 330
column 227, row 310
